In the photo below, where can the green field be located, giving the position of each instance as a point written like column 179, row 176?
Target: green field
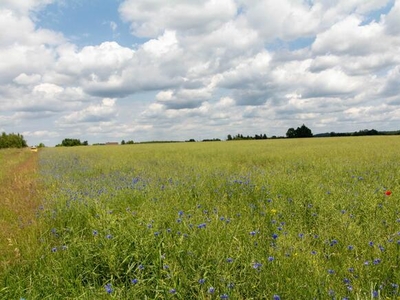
column 272, row 219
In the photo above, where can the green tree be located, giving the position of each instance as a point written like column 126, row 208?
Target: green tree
column 12, row 140
column 291, row 133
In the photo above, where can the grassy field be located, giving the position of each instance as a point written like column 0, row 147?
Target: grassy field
column 273, row 219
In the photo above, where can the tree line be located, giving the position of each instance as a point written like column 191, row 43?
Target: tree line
column 72, row 142
column 12, row 140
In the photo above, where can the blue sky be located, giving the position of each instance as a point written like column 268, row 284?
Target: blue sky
column 174, row 70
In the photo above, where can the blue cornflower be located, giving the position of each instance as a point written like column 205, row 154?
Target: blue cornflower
column 313, row 252
column 330, row 271
column 180, row 213
column 141, row 267
column 109, row 236
column 253, row 233
column 156, row 233
column 274, row 236
column 271, row 258
column 54, row 249
column 351, row 270
column 134, row 281
column 95, row 232
column 301, row 235
column 334, row 242
column 201, row 281
column 346, row 281
column 381, row 248
column 376, row 261
column 165, row 267
column 229, row 260
column 276, row 297
column 231, row 285
column 211, row 290
column 350, row 247
column 375, row 294
column 224, row 296
column 202, row 225
column 371, row 243
column 108, row 288
column 172, row 291
column 257, row 265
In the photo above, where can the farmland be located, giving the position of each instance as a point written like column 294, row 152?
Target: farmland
column 270, row 219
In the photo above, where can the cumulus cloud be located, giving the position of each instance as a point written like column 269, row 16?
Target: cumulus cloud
column 225, row 66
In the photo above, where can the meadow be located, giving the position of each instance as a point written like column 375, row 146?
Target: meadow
column 273, row 219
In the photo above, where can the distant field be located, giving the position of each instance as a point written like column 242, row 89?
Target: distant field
column 271, row 219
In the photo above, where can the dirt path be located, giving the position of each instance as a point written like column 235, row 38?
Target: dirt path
column 19, row 199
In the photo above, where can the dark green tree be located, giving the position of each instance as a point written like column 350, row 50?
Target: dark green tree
column 12, row 140
column 291, row 133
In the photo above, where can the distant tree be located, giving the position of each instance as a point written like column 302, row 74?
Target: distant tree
column 303, row 132
column 299, row 132
column 73, row 142
column 129, row 142
column 229, row 137
column 123, row 142
column 41, row 145
column 12, row 140
column 291, row 133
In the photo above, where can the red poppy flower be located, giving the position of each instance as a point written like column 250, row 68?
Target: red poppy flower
column 388, row 193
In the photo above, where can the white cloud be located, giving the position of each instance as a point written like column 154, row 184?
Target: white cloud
column 152, row 18
column 226, row 66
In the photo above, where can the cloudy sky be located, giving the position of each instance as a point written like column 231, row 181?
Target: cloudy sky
column 108, row 70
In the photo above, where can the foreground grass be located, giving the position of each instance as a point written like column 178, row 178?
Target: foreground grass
column 18, row 200
column 289, row 219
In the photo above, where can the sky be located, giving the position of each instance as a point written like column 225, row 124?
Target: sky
column 143, row 70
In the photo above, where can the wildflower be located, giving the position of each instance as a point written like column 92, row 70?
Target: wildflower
column 273, row 211
column 313, row 252
column 271, row 258
column 301, row 235
column 276, row 297
column 141, row 267
column 108, row 288
column 334, row 242
column 350, row 247
column 202, row 225
column 134, row 281
column 371, row 243
column 109, row 236
column 201, row 281
column 253, row 233
column 388, row 192
column 231, row 285
column 224, row 296
column 375, row 294
column 330, row 271
column 172, row 291
column 377, row 261
column 54, row 249
column 274, row 236
column 257, row 265
column 346, row 281
column 95, row 232
column 211, row 290
column 229, row 260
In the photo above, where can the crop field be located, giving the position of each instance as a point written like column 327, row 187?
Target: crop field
column 272, row 219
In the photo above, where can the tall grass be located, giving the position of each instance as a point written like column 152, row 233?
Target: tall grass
column 275, row 219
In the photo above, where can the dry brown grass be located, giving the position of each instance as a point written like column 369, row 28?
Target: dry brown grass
column 19, row 199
